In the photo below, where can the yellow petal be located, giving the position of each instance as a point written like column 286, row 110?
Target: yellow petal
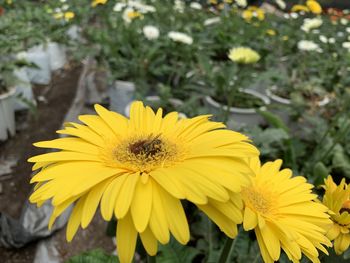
column 149, row 242
column 250, row 219
column 125, row 195
column 75, row 219
column 126, row 239
column 158, row 221
column 176, row 217
column 141, row 205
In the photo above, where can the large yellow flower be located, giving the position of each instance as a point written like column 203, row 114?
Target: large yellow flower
column 243, row 55
column 283, row 212
column 337, row 199
column 314, row 6
column 138, row 169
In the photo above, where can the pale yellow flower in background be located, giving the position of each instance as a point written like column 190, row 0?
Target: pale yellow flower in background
column 213, row 2
column 129, row 14
column 180, row 37
column 314, row 6
column 281, row 4
column 337, row 199
column 252, row 12
column 66, row 15
column 311, row 23
column 98, row 2
column 271, row 32
column 69, row 15
column 243, row 55
column 284, row 213
column 300, row 8
column 241, row 3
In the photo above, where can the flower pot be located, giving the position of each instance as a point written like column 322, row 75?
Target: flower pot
column 24, row 92
column 280, row 105
column 238, row 117
column 38, row 56
column 121, row 94
column 154, row 99
column 7, row 115
column 57, row 55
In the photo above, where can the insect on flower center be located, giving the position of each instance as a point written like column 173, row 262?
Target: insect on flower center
column 145, row 153
column 258, row 200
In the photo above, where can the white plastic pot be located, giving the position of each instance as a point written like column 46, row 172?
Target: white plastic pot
column 151, row 99
column 24, row 92
column 280, row 105
column 38, row 56
column 57, row 55
column 239, row 117
column 121, row 94
column 7, row 115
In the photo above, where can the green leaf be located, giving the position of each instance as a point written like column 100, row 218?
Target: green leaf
column 274, row 120
column 174, row 252
column 93, row 256
column 320, row 172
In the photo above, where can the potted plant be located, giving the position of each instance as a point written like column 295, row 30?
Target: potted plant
column 7, row 113
column 228, row 88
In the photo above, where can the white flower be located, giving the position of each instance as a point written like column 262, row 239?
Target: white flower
column 63, row 1
column 57, row 10
column 294, row 15
column 346, row 45
column 331, row 40
column 151, row 32
column 340, row 34
column 344, row 21
column 311, row 23
column 22, row 55
column 323, row 39
column 179, row 6
column 348, row 29
column 306, row 45
column 286, row 15
column 196, row 5
column 211, row 21
column 180, row 37
column 281, row 4
column 316, row 31
column 126, row 13
column 118, row 7
column 65, row 7
column 142, row 8
column 241, row 3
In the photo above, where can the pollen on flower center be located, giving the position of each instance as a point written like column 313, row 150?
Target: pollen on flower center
column 258, row 200
column 146, row 153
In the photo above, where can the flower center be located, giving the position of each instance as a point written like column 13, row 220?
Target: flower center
column 146, row 153
column 345, row 207
column 258, row 200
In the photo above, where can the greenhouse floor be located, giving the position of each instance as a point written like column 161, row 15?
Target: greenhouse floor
column 53, row 100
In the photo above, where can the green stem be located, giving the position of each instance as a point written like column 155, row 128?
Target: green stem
column 256, row 258
column 151, row 259
column 227, row 250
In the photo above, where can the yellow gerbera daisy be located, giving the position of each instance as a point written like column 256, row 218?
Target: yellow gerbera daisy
column 314, row 7
column 94, row 3
column 337, row 199
column 253, row 11
column 283, row 212
column 138, row 169
column 243, row 55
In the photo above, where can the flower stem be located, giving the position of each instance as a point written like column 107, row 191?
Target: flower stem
column 227, row 250
column 151, row 259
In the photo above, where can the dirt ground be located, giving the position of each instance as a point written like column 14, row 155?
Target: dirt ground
column 54, row 101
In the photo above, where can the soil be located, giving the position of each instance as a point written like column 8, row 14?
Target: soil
column 54, row 101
